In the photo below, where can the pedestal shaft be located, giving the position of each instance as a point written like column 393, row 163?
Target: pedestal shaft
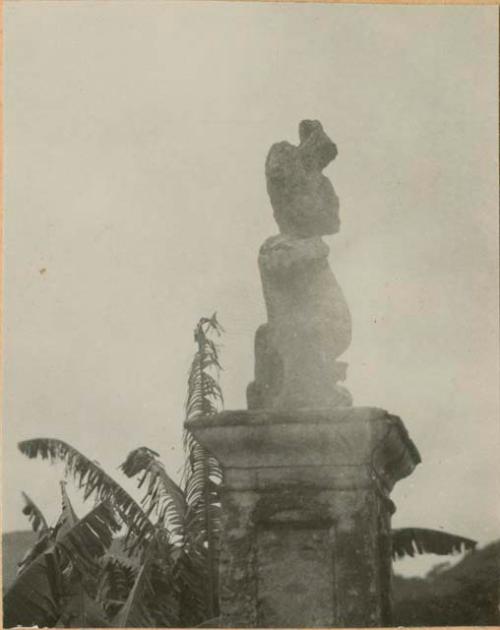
column 306, row 531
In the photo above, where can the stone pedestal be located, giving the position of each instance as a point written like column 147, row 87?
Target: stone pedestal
column 306, row 532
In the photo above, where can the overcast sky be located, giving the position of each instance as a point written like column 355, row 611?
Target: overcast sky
column 135, row 202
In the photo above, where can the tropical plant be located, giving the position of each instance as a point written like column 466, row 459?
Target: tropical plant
column 202, row 473
column 56, row 579
column 410, row 541
column 462, row 594
column 165, row 574
column 163, row 571
column 35, row 516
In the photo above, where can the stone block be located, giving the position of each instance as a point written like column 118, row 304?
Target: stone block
column 306, row 509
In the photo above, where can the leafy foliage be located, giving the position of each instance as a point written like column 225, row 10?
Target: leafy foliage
column 202, row 476
column 465, row 594
column 115, row 582
column 35, row 516
column 68, row 517
column 174, row 530
column 172, row 536
column 413, row 540
column 45, row 587
column 163, row 496
column 39, row 526
column 152, row 599
column 80, row 610
column 94, row 481
column 204, row 392
column 40, row 546
column 33, row 599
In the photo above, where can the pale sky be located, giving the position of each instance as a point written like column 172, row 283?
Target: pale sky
column 135, row 140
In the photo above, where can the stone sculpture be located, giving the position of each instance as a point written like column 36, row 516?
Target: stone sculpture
column 305, row 540
column 309, row 324
column 305, row 533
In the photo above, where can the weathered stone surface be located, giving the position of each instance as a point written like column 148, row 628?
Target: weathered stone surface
column 303, row 199
column 309, row 324
column 307, row 476
column 329, row 448
column 294, row 582
column 306, row 514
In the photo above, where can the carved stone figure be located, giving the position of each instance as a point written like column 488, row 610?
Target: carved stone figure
column 305, row 534
column 309, row 324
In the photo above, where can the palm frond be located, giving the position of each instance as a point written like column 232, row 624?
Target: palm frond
column 204, row 392
column 202, row 477
column 94, row 481
column 36, row 596
column 414, row 540
column 35, row 515
column 163, row 496
column 201, row 466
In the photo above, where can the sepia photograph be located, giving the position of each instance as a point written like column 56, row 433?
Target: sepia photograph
column 250, row 311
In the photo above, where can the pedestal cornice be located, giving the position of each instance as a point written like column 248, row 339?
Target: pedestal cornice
column 342, row 447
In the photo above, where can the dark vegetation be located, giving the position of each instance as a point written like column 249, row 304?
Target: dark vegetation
column 465, row 594
column 154, row 563
column 160, row 569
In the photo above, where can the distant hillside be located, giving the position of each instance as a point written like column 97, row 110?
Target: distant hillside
column 14, row 546
column 463, row 595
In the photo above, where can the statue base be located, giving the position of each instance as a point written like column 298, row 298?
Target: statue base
column 306, row 510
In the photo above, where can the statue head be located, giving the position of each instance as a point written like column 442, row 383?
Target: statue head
column 303, row 199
